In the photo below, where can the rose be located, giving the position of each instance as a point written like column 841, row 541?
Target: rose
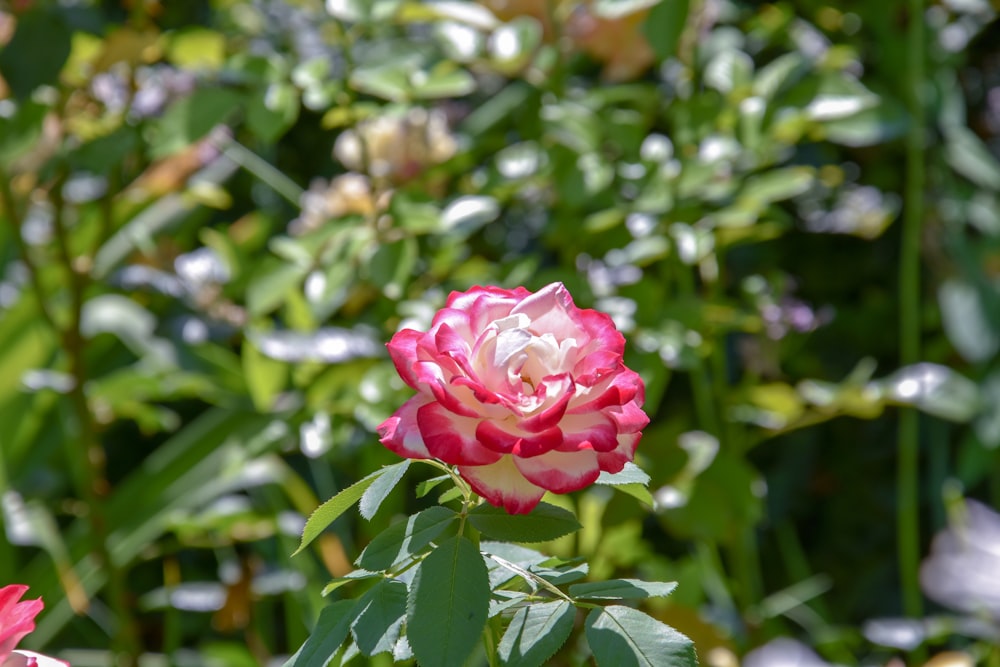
column 17, row 619
column 524, row 393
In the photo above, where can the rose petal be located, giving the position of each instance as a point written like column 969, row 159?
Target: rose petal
column 9, row 595
column 456, row 398
column 616, row 389
column 561, row 472
column 629, row 417
column 451, row 437
column 616, row 459
column 548, row 310
column 604, row 336
column 17, row 619
column 400, row 432
column 486, row 304
column 593, row 430
column 503, row 485
column 538, row 443
column 33, row 659
column 403, row 351
column 557, row 391
column 492, row 435
column 479, row 294
column 484, row 395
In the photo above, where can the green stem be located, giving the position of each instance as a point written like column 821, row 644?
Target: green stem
column 908, row 528
column 92, row 484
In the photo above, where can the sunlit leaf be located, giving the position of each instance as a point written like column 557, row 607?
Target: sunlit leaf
column 629, row 474
column 535, row 633
column 621, row 637
column 621, row 589
column 406, row 538
column 448, row 604
column 329, row 511
column 373, row 497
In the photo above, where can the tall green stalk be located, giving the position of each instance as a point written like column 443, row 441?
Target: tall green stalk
column 908, row 529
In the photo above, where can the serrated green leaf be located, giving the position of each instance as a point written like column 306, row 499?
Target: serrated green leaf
column 348, row 578
column 622, row 589
column 630, row 474
column 621, row 637
column 373, row 497
column 545, row 522
column 507, row 599
column 448, row 604
column 637, row 491
column 449, row 495
column 535, row 633
column 331, row 630
column 328, row 512
column 383, row 610
column 405, row 538
column 563, row 572
column 426, row 486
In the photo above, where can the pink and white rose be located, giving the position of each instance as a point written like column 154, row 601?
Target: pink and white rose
column 523, row 392
column 17, row 619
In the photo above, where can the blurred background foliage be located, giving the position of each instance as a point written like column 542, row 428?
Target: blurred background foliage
column 215, row 212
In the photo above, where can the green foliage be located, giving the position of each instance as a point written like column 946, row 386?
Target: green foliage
column 405, row 539
column 331, row 510
column 448, row 602
column 214, row 214
column 535, row 633
column 545, row 522
column 624, row 636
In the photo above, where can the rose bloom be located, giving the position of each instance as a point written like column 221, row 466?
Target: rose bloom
column 525, row 393
column 16, row 620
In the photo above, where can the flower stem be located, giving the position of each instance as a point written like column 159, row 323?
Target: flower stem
column 908, row 534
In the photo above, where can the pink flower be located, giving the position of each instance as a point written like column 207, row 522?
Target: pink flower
column 525, row 393
column 16, row 620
